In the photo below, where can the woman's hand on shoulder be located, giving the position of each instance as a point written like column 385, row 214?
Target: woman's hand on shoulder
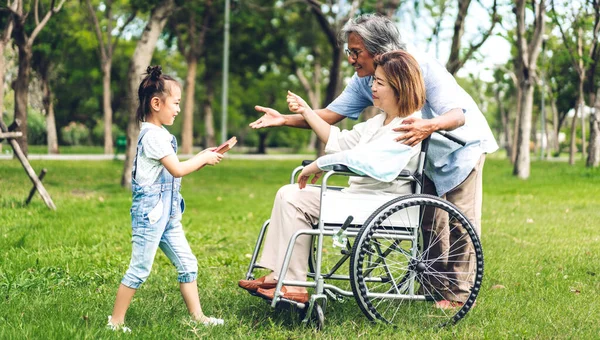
column 296, row 104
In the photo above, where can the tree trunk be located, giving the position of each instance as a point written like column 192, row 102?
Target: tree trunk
column 51, row 135
column 522, row 160
column 555, row 125
column 107, row 107
column 21, row 89
column 454, row 63
column 187, row 125
column 593, row 158
column 528, row 52
column 583, row 132
column 515, row 137
column 209, row 117
column 140, row 60
column 2, row 72
column 4, row 39
column 578, row 112
column 262, row 142
column 506, row 132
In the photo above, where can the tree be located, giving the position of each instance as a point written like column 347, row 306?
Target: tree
column 106, row 45
column 584, row 59
column 4, row 39
column 527, row 54
column 455, row 60
column 42, row 63
column 139, row 61
column 24, row 42
column 593, row 159
column 190, row 24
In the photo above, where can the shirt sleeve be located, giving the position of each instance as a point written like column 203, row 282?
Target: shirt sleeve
column 157, row 144
column 354, row 99
column 344, row 140
column 442, row 91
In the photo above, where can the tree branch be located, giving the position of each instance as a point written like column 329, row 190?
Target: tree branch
column 44, row 21
column 122, row 29
column 96, row 26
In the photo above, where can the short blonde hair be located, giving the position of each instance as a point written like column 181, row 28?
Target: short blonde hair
column 403, row 74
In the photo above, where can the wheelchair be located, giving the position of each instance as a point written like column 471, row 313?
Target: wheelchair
column 395, row 269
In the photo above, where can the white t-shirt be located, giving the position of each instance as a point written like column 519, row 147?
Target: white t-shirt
column 156, row 144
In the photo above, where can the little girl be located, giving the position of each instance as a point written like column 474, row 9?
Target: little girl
column 157, row 205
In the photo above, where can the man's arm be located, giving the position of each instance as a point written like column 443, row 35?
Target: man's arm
column 273, row 118
column 416, row 129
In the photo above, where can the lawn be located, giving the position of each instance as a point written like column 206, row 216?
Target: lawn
column 59, row 270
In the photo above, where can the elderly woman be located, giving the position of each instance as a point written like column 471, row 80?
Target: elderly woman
column 369, row 148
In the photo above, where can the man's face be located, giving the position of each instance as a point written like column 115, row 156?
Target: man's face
column 359, row 57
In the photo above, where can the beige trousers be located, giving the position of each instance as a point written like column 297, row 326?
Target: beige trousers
column 293, row 210
column 467, row 197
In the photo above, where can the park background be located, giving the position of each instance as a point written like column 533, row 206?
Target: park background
column 68, row 75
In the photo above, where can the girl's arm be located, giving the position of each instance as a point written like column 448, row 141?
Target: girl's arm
column 297, row 105
column 180, row 169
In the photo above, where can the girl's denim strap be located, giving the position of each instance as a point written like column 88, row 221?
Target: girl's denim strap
column 139, row 143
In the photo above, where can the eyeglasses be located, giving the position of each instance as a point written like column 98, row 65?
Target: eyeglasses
column 353, row 53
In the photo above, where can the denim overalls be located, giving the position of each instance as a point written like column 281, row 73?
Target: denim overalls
column 156, row 222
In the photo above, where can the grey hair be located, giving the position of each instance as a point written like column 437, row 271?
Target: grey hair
column 379, row 34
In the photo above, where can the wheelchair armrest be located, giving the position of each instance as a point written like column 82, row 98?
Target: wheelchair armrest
column 343, row 168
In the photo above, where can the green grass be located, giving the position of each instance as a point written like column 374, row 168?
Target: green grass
column 59, row 271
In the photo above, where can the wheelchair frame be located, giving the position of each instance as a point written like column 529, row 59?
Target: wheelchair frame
column 317, row 301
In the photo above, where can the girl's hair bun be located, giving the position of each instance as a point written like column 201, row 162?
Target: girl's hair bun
column 154, row 71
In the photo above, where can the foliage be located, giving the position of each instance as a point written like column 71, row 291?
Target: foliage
column 97, row 136
column 59, row 271
column 36, row 130
column 75, row 134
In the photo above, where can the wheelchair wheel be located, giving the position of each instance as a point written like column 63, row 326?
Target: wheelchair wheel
column 318, row 317
column 400, row 265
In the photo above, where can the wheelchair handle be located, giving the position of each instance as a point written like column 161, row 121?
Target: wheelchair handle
column 452, row 137
column 347, row 222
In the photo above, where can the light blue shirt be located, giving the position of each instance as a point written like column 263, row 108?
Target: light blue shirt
column 448, row 164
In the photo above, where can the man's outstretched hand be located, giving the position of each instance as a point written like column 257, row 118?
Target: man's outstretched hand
column 270, row 118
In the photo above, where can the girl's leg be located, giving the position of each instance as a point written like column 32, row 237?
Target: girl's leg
column 175, row 245
column 145, row 240
column 122, row 302
column 189, row 292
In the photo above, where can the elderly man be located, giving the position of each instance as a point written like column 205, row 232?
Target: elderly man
column 453, row 172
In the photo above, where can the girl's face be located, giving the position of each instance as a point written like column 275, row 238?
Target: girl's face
column 163, row 112
column 383, row 94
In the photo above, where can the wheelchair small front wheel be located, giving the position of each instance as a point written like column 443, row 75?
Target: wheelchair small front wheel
column 318, row 316
column 414, row 254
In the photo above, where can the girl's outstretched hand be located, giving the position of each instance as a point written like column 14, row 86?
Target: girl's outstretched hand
column 211, row 157
column 296, row 104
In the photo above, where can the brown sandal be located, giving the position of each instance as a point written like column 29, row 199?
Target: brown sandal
column 254, row 285
column 270, row 294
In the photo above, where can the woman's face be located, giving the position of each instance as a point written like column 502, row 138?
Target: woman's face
column 383, row 94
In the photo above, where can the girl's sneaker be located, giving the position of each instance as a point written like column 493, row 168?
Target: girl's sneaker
column 114, row 327
column 210, row 321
